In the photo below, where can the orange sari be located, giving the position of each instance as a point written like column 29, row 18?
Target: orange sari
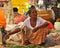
column 39, row 36
column 2, row 19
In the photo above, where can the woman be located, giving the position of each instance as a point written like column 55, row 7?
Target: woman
column 38, row 27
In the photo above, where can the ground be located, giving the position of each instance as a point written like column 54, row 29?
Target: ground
column 55, row 34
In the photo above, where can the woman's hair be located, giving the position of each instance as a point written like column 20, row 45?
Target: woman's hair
column 15, row 9
column 30, row 9
column 58, row 1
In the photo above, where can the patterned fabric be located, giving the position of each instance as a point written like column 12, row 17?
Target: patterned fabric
column 34, row 38
column 17, row 37
column 39, row 36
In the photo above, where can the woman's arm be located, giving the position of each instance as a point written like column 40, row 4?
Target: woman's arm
column 41, row 26
column 12, row 32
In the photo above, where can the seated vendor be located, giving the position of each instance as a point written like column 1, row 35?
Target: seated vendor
column 38, row 27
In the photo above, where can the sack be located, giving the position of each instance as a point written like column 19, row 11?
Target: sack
column 57, row 25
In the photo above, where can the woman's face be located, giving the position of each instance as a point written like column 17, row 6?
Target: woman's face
column 33, row 13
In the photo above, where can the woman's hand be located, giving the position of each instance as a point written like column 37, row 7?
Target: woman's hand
column 34, row 30
column 10, row 33
column 41, row 26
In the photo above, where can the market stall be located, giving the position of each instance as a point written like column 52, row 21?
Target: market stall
column 16, row 38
